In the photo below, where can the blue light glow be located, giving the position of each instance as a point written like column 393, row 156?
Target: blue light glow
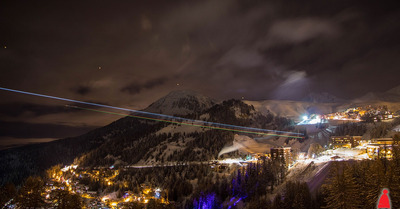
column 205, row 201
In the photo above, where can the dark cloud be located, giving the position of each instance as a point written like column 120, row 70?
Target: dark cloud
column 227, row 45
column 23, row 109
column 82, row 90
column 135, row 87
column 299, row 30
column 30, row 130
column 225, row 49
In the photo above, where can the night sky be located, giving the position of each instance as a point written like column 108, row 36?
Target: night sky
column 130, row 53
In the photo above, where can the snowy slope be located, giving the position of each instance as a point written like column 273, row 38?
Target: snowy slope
column 181, row 102
column 323, row 97
column 294, row 109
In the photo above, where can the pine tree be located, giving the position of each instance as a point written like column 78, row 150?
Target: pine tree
column 67, row 200
column 278, row 203
column 352, row 189
column 375, row 182
column 30, row 195
column 341, row 189
column 394, row 182
column 7, row 192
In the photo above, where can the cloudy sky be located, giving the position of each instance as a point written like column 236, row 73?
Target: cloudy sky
column 129, row 53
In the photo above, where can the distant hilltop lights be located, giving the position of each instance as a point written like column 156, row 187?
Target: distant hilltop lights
column 357, row 114
column 312, row 119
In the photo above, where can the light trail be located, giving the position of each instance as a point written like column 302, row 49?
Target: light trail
column 183, row 123
column 204, row 124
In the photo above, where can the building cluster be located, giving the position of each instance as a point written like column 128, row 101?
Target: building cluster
column 361, row 113
column 381, row 148
column 70, row 179
column 279, row 153
column 375, row 148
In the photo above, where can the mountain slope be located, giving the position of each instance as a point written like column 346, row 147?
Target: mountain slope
column 295, row 109
column 395, row 91
column 392, row 95
column 181, row 102
column 18, row 163
column 323, row 97
column 130, row 140
column 175, row 142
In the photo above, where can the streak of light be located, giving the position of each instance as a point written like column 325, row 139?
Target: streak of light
column 207, row 124
column 183, row 123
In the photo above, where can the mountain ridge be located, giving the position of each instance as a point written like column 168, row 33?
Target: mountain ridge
column 131, row 140
column 181, row 102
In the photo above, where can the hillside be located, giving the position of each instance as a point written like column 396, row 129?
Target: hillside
column 390, row 96
column 323, row 97
column 296, row 109
column 129, row 141
column 175, row 142
column 181, row 102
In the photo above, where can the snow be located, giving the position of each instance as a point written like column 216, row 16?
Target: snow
column 179, row 129
column 171, row 146
column 323, row 97
column 395, row 90
column 302, row 171
column 292, row 109
column 295, row 110
column 249, row 145
column 205, row 116
column 397, row 128
column 168, row 104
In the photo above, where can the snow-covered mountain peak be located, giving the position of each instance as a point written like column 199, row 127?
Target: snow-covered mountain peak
column 323, row 97
column 181, row 102
column 395, row 90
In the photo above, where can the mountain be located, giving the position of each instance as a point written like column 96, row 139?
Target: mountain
column 323, row 97
column 370, row 96
column 392, row 95
column 130, row 140
column 170, row 143
column 20, row 162
column 295, row 109
column 181, row 102
column 394, row 91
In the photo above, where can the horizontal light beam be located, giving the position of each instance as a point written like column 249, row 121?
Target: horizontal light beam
column 200, row 123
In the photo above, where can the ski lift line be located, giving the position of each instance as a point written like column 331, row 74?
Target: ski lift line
column 188, row 124
column 143, row 112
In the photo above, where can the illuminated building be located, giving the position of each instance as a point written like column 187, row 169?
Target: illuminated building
column 345, row 141
column 381, row 148
column 384, row 141
column 375, row 151
column 282, row 153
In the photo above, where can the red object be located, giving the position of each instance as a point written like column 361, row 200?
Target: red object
column 384, row 201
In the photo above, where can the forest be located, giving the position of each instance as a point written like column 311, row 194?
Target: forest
column 351, row 184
